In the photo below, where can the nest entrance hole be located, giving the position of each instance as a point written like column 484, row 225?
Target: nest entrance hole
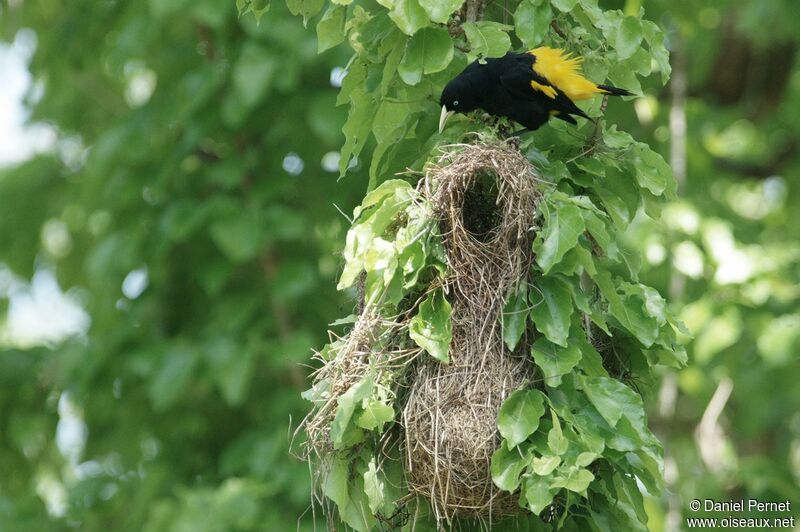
column 480, row 213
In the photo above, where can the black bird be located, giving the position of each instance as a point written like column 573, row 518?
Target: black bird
column 527, row 87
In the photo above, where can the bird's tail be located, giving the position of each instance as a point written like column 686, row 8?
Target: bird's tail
column 613, row 91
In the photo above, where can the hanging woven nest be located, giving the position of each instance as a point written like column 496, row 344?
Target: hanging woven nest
column 485, row 196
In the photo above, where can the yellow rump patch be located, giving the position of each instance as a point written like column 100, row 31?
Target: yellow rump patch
column 563, row 71
column 550, row 92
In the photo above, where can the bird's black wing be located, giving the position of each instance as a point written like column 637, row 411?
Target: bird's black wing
column 517, row 76
column 520, row 80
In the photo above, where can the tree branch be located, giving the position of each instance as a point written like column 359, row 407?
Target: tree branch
column 474, row 10
column 556, row 28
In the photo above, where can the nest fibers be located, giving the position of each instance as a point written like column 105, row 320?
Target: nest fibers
column 486, row 197
column 356, row 358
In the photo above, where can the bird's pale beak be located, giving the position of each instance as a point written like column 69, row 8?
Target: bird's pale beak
column 443, row 118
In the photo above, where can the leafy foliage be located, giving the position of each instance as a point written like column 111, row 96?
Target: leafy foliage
column 716, row 241
column 584, row 284
column 185, row 390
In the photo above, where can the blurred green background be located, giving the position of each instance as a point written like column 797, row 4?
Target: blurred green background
column 170, row 237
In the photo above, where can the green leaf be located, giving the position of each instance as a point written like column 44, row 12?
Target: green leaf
column 363, row 107
column 532, row 21
column 576, row 261
column 586, row 458
column 576, row 479
column 397, row 47
column 389, row 126
column 591, row 361
column 555, row 361
column 409, row 16
column 519, row 416
column 617, row 139
column 564, row 5
column 552, row 308
column 336, row 482
column 347, row 320
column 546, row 464
column 625, row 78
column 351, row 495
column 629, row 487
column 306, row 8
column 596, row 225
column 431, row 328
column 592, row 11
column 653, row 304
column 507, row 466
column 384, row 279
column 628, row 310
column 486, row 39
column 357, row 513
column 563, row 226
column 629, row 37
column 318, row 392
column 330, row 28
column 364, row 247
column 576, row 408
column 440, row 10
column 555, row 438
column 359, row 238
column 537, row 493
column 346, row 405
column 655, row 40
column 616, row 515
column 390, row 474
column 620, row 196
column 241, row 6
column 609, row 22
column 515, row 316
column 388, row 199
column 641, row 62
column 612, row 399
column 375, row 415
column 256, row 7
column 430, row 50
column 652, row 171
column 374, row 488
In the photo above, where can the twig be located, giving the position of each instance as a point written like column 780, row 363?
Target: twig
column 597, row 133
column 454, row 26
column 474, row 10
column 709, row 435
column 556, row 28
